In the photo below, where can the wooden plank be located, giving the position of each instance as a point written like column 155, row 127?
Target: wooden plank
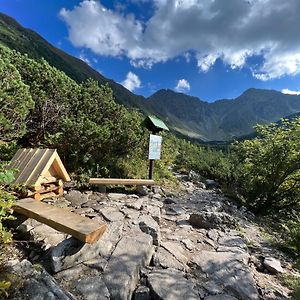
column 84, row 229
column 60, row 169
column 24, row 160
column 15, row 160
column 116, row 181
column 32, row 165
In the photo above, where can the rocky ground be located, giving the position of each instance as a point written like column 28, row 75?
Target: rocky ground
column 194, row 246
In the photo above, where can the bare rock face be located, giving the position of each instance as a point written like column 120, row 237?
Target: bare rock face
column 121, row 275
column 171, row 284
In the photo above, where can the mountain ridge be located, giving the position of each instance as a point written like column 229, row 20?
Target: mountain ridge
column 221, row 120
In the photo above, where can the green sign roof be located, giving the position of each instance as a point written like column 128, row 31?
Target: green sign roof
column 152, row 122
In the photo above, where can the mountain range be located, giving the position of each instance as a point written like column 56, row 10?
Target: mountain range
column 189, row 116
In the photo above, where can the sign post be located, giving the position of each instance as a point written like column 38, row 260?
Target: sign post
column 155, row 125
column 154, row 152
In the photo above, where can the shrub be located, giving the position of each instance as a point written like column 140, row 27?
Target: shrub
column 270, row 174
column 6, row 202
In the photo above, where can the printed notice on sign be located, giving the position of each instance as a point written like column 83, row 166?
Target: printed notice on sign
column 154, row 146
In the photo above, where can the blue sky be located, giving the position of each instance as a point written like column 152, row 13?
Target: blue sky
column 209, row 49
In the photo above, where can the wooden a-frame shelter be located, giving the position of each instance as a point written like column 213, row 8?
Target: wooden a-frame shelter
column 36, row 167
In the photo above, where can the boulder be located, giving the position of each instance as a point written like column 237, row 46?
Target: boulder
column 76, row 198
column 122, row 272
column 273, row 265
column 212, row 220
column 211, row 184
column 111, row 214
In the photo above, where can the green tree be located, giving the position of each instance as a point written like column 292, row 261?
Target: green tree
column 15, row 102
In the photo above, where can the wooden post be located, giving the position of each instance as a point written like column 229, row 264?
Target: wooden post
column 151, row 168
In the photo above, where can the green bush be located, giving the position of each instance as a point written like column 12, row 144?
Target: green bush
column 269, row 167
column 6, row 202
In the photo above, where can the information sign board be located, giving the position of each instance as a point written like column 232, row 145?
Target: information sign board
column 154, row 146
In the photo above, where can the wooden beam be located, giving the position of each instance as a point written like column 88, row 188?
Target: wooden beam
column 84, row 229
column 117, row 181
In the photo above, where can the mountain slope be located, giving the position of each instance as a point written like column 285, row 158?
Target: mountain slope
column 15, row 36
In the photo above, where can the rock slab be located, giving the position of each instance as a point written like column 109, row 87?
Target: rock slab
column 230, row 270
column 122, row 272
column 171, row 284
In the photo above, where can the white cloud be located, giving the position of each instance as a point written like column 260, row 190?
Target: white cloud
column 83, row 57
column 131, row 82
column 182, row 86
column 289, row 92
column 231, row 30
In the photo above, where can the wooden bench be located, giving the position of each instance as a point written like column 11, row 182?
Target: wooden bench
column 117, row 181
column 82, row 228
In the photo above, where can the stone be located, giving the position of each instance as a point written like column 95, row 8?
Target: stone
column 142, row 293
column 149, row 226
column 273, row 265
column 212, row 220
column 154, row 211
column 175, row 211
column 156, row 196
column 176, row 250
column 213, row 234
column 116, row 197
column 130, row 213
column 76, row 198
column 83, row 211
column 142, row 190
column 47, row 234
column 133, row 252
column 229, row 270
column 71, row 252
column 232, row 241
column 163, row 258
column 211, row 184
column 169, row 200
column 171, row 284
column 92, row 288
column 111, row 214
column 188, row 244
column 136, row 204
